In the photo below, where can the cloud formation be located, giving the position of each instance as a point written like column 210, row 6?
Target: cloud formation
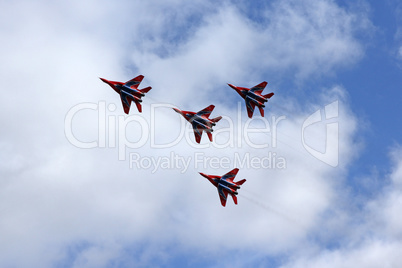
column 63, row 205
column 376, row 236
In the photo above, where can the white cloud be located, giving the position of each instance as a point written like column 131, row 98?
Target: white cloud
column 399, row 55
column 372, row 237
column 371, row 254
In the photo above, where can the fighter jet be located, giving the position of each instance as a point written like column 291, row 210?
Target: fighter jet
column 225, row 185
column 129, row 92
column 200, row 121
column 253, row 97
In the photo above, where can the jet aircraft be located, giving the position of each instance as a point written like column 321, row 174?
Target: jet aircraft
column 129, row 92
column 200, row 121
column 225, row 185
column 253, row 97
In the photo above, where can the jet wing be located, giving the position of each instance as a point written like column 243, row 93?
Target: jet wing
column 198, row 135
column 250, row 107
column 197, row 132
column 206, row 111
column 230, row 175
column 126, row 101
column 223, row 194
column 134, row 83
column 259, row 88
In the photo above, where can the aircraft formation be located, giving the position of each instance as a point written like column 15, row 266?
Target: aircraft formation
column 200, row 122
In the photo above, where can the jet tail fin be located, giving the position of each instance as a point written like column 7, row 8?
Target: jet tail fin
column 241, row 182
column 216, row 119
column 269, row 95
column 145, row 90
column 234, row 198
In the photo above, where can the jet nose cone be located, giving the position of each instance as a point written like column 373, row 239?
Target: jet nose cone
column 104, row 80
column 177, row 110
column 232, row 86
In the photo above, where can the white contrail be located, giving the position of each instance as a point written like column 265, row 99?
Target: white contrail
column 272, row 210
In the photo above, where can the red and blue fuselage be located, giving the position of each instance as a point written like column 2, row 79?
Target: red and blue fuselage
column 200, row 121
column 122, row 88
column 129, row 92
column 254, row 97
column 195, row 119
column 225, row 185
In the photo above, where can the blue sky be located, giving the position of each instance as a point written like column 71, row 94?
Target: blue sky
column 66, row 203
column 375, row 82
